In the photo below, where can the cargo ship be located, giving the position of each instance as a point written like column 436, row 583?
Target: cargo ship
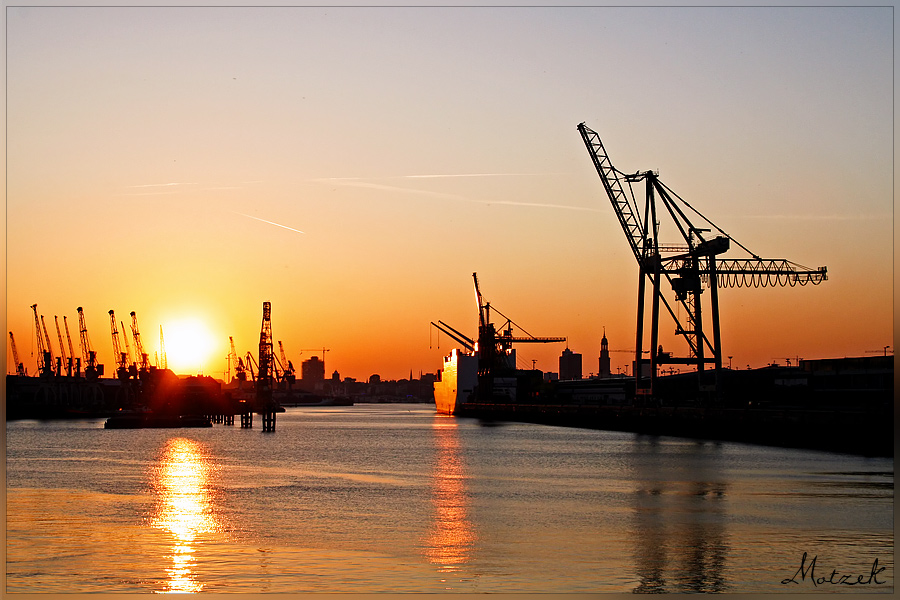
column 484, row 370
column 457, row 382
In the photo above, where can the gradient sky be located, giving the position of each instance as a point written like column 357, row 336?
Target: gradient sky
column 354, row 166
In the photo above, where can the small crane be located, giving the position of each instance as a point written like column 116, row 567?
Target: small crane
column 240, row 372
column 91, row 369
column 45, row 359
column 140, row 355
column 20, row 368
column 62, row 349
column 121, row 357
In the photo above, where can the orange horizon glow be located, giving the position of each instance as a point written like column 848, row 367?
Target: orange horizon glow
column 358, row 200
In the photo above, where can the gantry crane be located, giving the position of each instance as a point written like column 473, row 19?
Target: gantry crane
column 91, row 369
column 20, row 368
column 142, row 357
column 121, row 357
column 687, row 266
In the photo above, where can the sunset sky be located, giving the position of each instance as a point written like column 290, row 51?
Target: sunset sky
column 355, row 166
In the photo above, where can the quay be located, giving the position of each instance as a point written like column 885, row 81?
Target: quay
column 861, row 432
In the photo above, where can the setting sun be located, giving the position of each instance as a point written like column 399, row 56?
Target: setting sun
column 190, row 346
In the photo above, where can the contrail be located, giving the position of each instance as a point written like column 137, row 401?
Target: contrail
column 269, row 222
column 356, row 182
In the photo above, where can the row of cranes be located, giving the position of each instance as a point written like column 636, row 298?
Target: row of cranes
column 282, row 369
column 128, row 364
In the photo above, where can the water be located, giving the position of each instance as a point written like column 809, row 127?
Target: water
column 395, row 498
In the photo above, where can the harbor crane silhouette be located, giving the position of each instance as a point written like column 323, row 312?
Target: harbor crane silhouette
column 687, row 266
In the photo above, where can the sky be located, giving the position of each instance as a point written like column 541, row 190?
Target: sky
column 355, row 166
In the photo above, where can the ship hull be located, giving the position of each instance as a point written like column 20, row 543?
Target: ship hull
column 457, row 383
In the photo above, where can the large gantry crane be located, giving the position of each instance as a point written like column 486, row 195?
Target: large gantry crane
column 688, row 266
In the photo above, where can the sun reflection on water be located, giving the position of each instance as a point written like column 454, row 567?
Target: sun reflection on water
column 183, row 508
column 452, row 538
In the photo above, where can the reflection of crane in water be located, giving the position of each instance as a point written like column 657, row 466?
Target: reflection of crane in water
column 688, row 266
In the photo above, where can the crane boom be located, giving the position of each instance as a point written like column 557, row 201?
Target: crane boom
column 624, row 207
column 463, row 340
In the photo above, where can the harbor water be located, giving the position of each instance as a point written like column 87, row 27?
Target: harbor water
column 394, row 498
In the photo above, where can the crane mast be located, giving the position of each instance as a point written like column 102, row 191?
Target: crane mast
column 687, row 266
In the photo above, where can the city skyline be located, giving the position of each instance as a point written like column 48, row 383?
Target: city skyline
column 354, row 166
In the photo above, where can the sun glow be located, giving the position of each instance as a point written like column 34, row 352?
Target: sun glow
column 189, row 345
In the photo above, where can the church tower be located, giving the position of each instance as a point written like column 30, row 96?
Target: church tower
column 604, row 357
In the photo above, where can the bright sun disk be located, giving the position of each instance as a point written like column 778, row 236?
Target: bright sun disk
column 189, row 346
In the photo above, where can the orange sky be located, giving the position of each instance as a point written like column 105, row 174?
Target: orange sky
column 355, row 166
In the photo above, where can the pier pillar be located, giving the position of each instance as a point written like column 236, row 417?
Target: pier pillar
column 229, row 419
column 268, row 421
column 246, row 420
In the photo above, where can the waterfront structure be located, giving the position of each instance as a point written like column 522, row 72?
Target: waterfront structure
column 312, row 371
column 569, row 365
